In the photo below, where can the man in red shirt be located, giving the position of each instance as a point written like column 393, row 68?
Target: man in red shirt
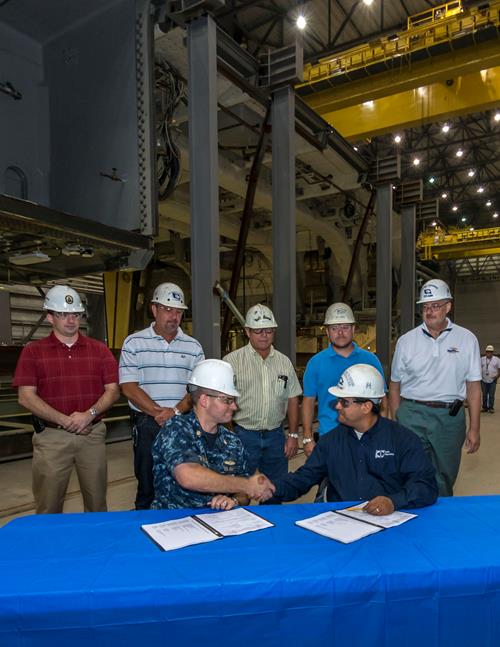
column 68, row 381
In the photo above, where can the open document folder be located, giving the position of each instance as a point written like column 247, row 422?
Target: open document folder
column 200, row 528
column 350, row 524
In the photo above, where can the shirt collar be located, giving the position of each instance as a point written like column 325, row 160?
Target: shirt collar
column 251, row 349
column 332, row 351
column 178, row 335
column 80, row 341
column 425, row 329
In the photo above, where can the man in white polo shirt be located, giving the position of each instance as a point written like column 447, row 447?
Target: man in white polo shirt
column 436, row 366
column 155, row 365
column 490, row 370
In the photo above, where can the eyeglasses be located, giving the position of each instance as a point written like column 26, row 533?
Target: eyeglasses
column 163, row 308
column 227, row 399
column 434, row 307
column 343, row 327
column 262, row 331
column 65, row 315
column 344, row 403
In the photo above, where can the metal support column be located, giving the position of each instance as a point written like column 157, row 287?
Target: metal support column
column 384, row 275
column 407, row 291
column 284, row 240
column 204, row 181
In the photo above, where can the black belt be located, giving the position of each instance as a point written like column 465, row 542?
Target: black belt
column 434, row 404
column 52, row 425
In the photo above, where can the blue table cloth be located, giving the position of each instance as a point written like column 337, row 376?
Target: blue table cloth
column 96, row 579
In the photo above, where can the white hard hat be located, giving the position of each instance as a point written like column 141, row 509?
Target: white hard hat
column 339, row 313
column 434, row 290
column 360, row 381
column 214, row 374
column 62, row 298
column 169, row 294
column 489, row 347
column 260, row 316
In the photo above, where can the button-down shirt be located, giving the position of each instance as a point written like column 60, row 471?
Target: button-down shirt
column 159, row 367
column 387, row 460
column 68, row 378
column 265, row 386
column 431, row 368
column 182, row 440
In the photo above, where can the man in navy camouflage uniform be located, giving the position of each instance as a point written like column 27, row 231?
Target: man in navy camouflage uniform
column 197, row 462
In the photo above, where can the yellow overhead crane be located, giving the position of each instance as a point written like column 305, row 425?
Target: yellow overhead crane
column 451, row 52
column 440, row 245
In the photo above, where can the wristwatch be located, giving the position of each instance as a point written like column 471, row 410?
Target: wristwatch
column 177, row 412
column 306, row 441
column 93, row 412
column 293, row 435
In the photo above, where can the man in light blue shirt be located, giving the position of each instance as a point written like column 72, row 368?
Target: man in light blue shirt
column 325, row 369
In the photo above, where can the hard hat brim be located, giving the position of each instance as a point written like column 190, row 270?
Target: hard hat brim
column 343, row 393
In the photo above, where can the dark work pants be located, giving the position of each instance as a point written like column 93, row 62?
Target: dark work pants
column 488, row 389
column 144, row 432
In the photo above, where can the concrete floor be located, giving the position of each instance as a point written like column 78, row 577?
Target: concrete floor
column 479, row 474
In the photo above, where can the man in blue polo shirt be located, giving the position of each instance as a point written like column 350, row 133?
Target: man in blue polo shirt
column 325, row 369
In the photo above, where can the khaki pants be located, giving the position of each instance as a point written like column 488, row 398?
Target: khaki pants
column 55, row 452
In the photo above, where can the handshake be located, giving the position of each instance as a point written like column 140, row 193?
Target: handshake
column 259, row 487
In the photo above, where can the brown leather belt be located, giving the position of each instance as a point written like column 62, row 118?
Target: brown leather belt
column 434, row 404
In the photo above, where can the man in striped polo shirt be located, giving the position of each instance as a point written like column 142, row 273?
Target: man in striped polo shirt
column 155, row 365
column 270, row 392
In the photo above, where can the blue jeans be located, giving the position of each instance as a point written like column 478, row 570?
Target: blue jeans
column 265, row 452
column 488, row 389
column 144, row 432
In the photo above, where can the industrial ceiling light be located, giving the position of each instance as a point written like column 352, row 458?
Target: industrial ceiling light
column 495, row 215
column 432, row 180
column 445, row 128
column 301, row 22
column 368, row 104
column 471, row 172
column 459, row 152
column 29, row 258
column 471, row 228
column 488, row 203
column 454, row 208
column 368, row 3
column 497, row 116
column 480, row 189
column 397, row 139
column 464, row 219
column 444, row 195
column 416, row 161
column 433, row 223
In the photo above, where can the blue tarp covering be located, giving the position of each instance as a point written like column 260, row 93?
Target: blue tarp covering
column 96, row 579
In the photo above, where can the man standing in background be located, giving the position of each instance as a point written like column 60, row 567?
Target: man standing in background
column 490, row 370
column 68, row 381
column 155, row 365
column 436, row 366
column 325, row 369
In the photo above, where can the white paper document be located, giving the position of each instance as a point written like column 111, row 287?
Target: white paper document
column 350, row 524
column 234, row 522
column 198, row 529
column 386, row 520
column 336, row 526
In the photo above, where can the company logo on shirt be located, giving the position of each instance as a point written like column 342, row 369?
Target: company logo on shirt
column 453, row 349
column 382, row 453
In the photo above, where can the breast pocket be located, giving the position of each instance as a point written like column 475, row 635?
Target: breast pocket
column 281, row 387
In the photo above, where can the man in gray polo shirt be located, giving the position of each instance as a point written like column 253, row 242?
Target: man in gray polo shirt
column 436, row 366
column 155, row 365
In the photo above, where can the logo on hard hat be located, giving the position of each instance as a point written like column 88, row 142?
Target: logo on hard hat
column 176, row 296
column 428, row 292
column 69, row 299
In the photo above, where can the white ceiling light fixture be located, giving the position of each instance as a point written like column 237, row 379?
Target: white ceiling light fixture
column 464, row 219
column 488, row 203
column 480, row 189
column 445, row 128
column 495, row 215
column 471, row 172
column 433, row 223
column 368, row 3
column 444, row 195
column 471, row 228
column 459, row 153
column 497, row 116
column 416, row 161
column 454, row 208
column 301, row 22
column 432, row 180
column 368, row 104
column 29, row 258
column 397, row 139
